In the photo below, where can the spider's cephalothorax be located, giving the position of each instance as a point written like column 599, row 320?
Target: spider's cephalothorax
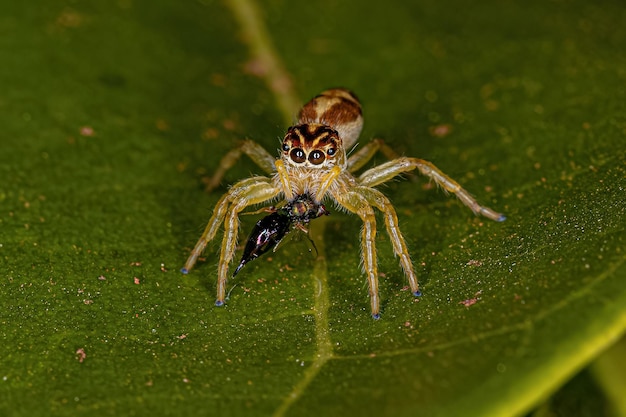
column 313, row 166
column 312, row 145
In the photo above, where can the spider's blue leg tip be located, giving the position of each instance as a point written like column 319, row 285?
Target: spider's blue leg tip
column 417, row 293
column 184, row 271
column 219, row 303
column 501, row 218
column 376, row 316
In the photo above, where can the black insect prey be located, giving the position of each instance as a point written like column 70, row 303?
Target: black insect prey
column 271, row 229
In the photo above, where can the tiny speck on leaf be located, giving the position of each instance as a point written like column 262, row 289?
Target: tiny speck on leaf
column 80, row 355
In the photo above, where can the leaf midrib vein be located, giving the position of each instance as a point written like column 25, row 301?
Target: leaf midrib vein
column 278, row 81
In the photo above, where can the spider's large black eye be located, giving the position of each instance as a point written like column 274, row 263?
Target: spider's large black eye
column 316, row 157
column 297, row 155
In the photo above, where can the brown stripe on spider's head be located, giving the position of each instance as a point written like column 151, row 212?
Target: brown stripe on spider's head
column 310, row 136
column 311, row 145
column 337, row 108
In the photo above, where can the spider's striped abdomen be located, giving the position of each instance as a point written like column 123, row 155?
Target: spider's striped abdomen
column 337, row 108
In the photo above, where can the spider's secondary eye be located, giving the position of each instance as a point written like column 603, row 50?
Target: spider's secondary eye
column 297, row 155
column 285, row 147
column 331, row 151
column 316, row 157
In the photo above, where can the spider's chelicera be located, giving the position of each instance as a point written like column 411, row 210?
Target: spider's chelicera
column 313, row 166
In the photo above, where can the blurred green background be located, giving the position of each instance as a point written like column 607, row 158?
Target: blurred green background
column 113, row 114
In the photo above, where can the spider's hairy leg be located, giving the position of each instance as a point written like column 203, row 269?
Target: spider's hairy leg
column 382, row 203
column 255, row 151
column 217, row 218
column 253, row 194
column 363, row 155
column 389, row 170
column 356, row 203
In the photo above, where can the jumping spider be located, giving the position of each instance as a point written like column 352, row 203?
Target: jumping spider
column 313, row 162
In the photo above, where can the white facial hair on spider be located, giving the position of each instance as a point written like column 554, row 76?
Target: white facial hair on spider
column 313, row 163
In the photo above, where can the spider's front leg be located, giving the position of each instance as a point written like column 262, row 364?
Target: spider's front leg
column 358, row 204
column 255, row 194
column 217, row 219
column 241, row 195
column 389, row 170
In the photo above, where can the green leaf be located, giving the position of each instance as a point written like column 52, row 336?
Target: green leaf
column 114, row 113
